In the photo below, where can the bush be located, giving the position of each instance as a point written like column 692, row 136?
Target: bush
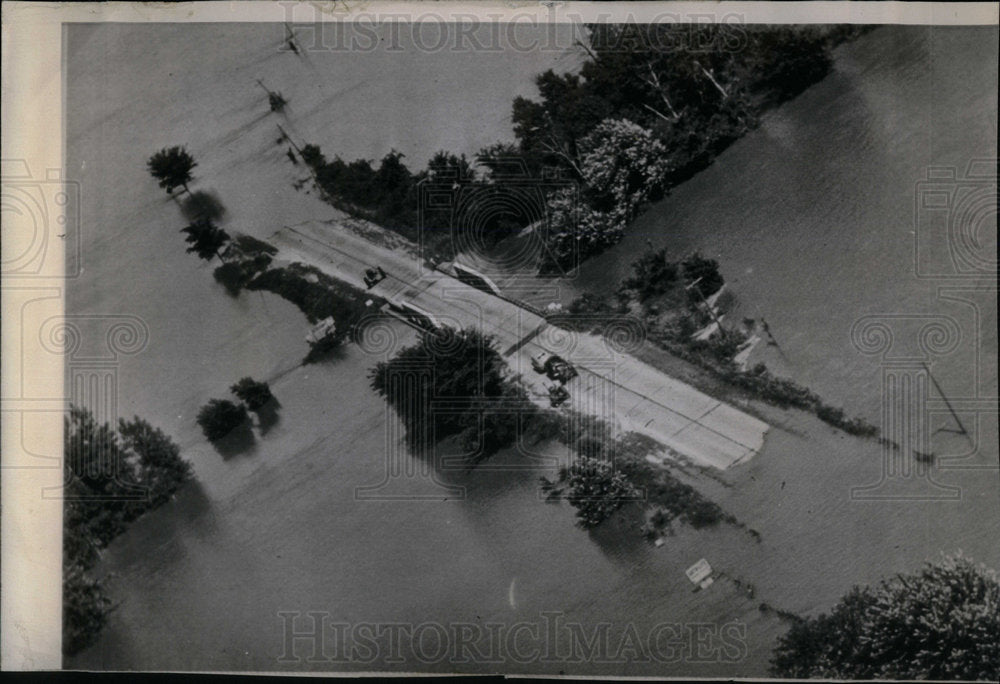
column 652, row 275
column 695, row 267
column 247, row 257
column 596, row 490
column 219, row 417
column 253, row 393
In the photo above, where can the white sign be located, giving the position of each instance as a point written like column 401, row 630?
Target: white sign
column 699, row 571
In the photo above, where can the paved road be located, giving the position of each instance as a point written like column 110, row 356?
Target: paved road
column 614, row 385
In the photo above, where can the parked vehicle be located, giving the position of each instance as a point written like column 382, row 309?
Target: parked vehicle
column 554, row 367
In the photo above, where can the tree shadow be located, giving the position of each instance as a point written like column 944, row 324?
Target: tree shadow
column 326, row 351
column 194, row 508
column 202, row 204
column 268, row 416
column 239, row 441
column 620, row 536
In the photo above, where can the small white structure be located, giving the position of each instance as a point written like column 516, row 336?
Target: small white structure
column 321, row 330
column 701, row 574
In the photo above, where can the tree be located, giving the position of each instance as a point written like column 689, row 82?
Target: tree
column 253, row 393
column 462, row 365
column 575, row 230
column 219, row 417
column 85, row 609
column 112, row 478
column 159, row 465
column 172, row 168
column 652, row 275
column 704, row 272
column 596, row 490
column 624, row 165
column 206, row 239
column 939, row 623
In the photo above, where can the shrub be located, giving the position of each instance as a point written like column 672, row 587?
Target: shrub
column 652, row 275
column 695, row 267
column 596, row 490
column 219, row 417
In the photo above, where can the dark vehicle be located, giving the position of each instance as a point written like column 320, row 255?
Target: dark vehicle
column 554, row 367
column 374, row 276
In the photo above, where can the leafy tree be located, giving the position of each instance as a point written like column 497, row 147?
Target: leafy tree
column 253, row 393
column 939, row 623
column 463, row 365
column 551, row 129
column 624, row 166
column 115, row 476
column 219, row 417
column 652, row 275
column 596, row 490
column 575, row 230
column 159, row 465
column 172, row 168
column 696, row 266
column 445, row 167
column 112, row 478
column 85, row 611
column 206, row 239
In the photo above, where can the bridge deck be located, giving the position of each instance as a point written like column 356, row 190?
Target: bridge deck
column 617, row 387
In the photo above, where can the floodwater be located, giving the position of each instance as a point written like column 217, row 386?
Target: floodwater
column 814, row 221
column 287, row 525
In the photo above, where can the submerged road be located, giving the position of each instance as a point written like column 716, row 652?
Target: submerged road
column 612, row 384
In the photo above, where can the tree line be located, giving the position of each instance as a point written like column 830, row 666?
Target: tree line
column 650, row 106
column 113, row 476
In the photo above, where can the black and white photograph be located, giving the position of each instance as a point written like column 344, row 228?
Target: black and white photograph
column 652, row 340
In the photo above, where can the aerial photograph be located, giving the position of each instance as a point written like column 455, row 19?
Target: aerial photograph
column 654, row 348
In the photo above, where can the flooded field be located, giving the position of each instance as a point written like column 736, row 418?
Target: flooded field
column 283, row 527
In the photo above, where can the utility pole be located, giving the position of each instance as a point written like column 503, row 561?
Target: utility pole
column 710, row 309
column 951, row 408
column 312, row 172
column 275, row 99
column 290, row 39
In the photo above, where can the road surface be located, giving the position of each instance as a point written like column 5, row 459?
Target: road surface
column 612, row 384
